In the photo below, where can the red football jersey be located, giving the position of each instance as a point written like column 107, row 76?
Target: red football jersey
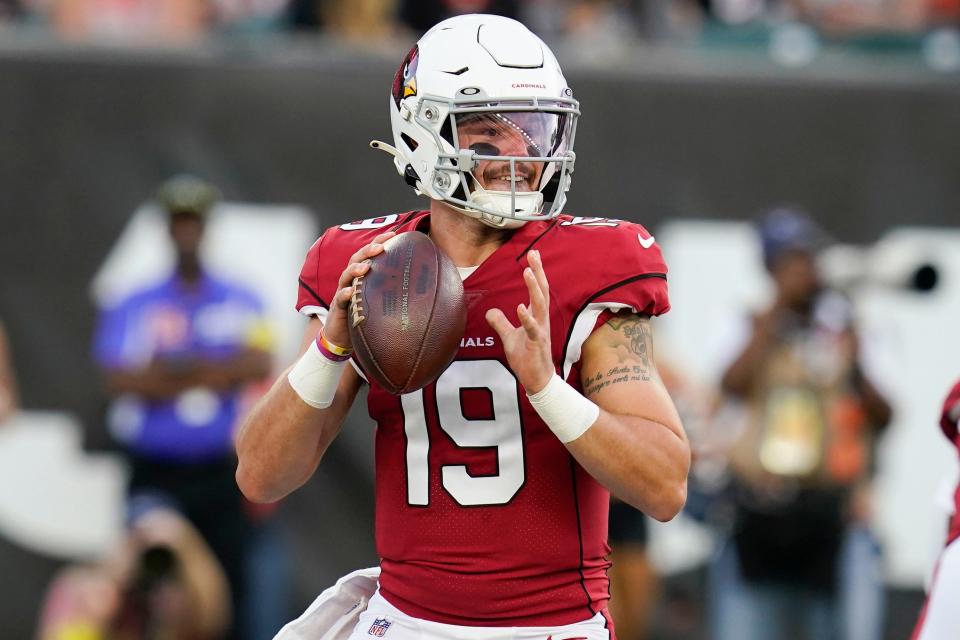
column 948, row 422
column 483, row 518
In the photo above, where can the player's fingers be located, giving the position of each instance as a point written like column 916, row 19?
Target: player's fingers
column 499, row 323
column 538, row 303
column 352, row 271
column 536, row 265
column 372, row 249
column 342, row 297
column 383, row 237
column 530, row 325
column 368, row 251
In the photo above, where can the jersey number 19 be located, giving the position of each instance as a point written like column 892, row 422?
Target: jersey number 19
column 503, row 432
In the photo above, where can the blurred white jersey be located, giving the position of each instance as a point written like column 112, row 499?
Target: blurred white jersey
column 940, row 619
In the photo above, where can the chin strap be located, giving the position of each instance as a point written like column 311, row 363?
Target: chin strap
column 406, row 170
column 524, row 202
column 383, row 146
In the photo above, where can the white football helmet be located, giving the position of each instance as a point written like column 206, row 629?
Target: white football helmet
column 484, row 121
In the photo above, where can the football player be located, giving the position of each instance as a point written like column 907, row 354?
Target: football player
column 940, row 617
column 493, row 482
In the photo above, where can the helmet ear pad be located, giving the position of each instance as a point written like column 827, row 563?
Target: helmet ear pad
column 552, row 188
column 410, row 176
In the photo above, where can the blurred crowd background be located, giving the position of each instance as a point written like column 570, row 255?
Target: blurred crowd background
column 167, row 163
column 874, row 23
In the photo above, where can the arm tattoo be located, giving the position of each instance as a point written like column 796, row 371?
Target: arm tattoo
column 633, row 341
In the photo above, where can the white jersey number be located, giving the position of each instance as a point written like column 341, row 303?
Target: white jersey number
column 371, row 223
column 502, row 432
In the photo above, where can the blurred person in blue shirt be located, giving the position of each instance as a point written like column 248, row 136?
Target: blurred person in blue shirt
column 175, row 357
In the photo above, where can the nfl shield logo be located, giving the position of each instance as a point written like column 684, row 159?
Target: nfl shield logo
column 379, row 627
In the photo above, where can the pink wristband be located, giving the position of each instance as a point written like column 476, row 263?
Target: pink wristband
column 331, row 351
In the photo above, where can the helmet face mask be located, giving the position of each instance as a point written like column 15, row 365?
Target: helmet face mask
column 504, row 157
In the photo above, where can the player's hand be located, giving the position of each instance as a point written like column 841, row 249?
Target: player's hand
column 335, row 329
column 528, row 346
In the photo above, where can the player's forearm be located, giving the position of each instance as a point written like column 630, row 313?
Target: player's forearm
column 642, row 462
column 282, row 441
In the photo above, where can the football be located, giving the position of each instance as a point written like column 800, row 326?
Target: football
column 407, row 315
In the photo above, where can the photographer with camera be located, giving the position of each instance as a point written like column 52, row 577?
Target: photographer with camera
column 801, row 467
column 161, row 581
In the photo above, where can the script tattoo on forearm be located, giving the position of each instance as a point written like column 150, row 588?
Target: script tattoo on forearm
column 633, row 341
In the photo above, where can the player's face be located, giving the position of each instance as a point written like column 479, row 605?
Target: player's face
column 521, row 134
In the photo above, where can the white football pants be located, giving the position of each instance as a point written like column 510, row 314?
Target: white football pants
column 383, row 620
column 352, row 609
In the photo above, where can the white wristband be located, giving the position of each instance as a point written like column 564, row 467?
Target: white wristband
column 568, row 413
column 315, row 377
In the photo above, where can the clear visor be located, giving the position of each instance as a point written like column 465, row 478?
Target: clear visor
column 533, row 139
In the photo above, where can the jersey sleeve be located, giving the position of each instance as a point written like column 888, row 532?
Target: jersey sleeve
column 634, row 273
column 309, row 300
column 330, row 254
column 951, row 413
column 625, row 270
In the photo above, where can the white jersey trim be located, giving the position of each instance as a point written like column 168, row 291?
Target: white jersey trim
column 315, row 310
column 583, row 327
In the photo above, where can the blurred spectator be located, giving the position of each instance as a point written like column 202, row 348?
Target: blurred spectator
column 601, row 21
column 611, row 23
column 853, row 17
column 800, row 549
column 837, row 17
column 364, row 20
column 248, row 16
column 420, row 15
column 128, row 21
column 161, row 581
column 633, row 578
column 9, row 10
column 176, row 356
column 741, row 12
column 9, row 402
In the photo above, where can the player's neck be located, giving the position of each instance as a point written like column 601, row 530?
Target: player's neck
column 466, row 240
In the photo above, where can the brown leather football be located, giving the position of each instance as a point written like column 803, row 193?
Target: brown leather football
column 407, row 314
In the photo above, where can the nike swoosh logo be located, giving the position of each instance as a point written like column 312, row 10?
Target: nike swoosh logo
column 646, row 243
column 574, row 638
